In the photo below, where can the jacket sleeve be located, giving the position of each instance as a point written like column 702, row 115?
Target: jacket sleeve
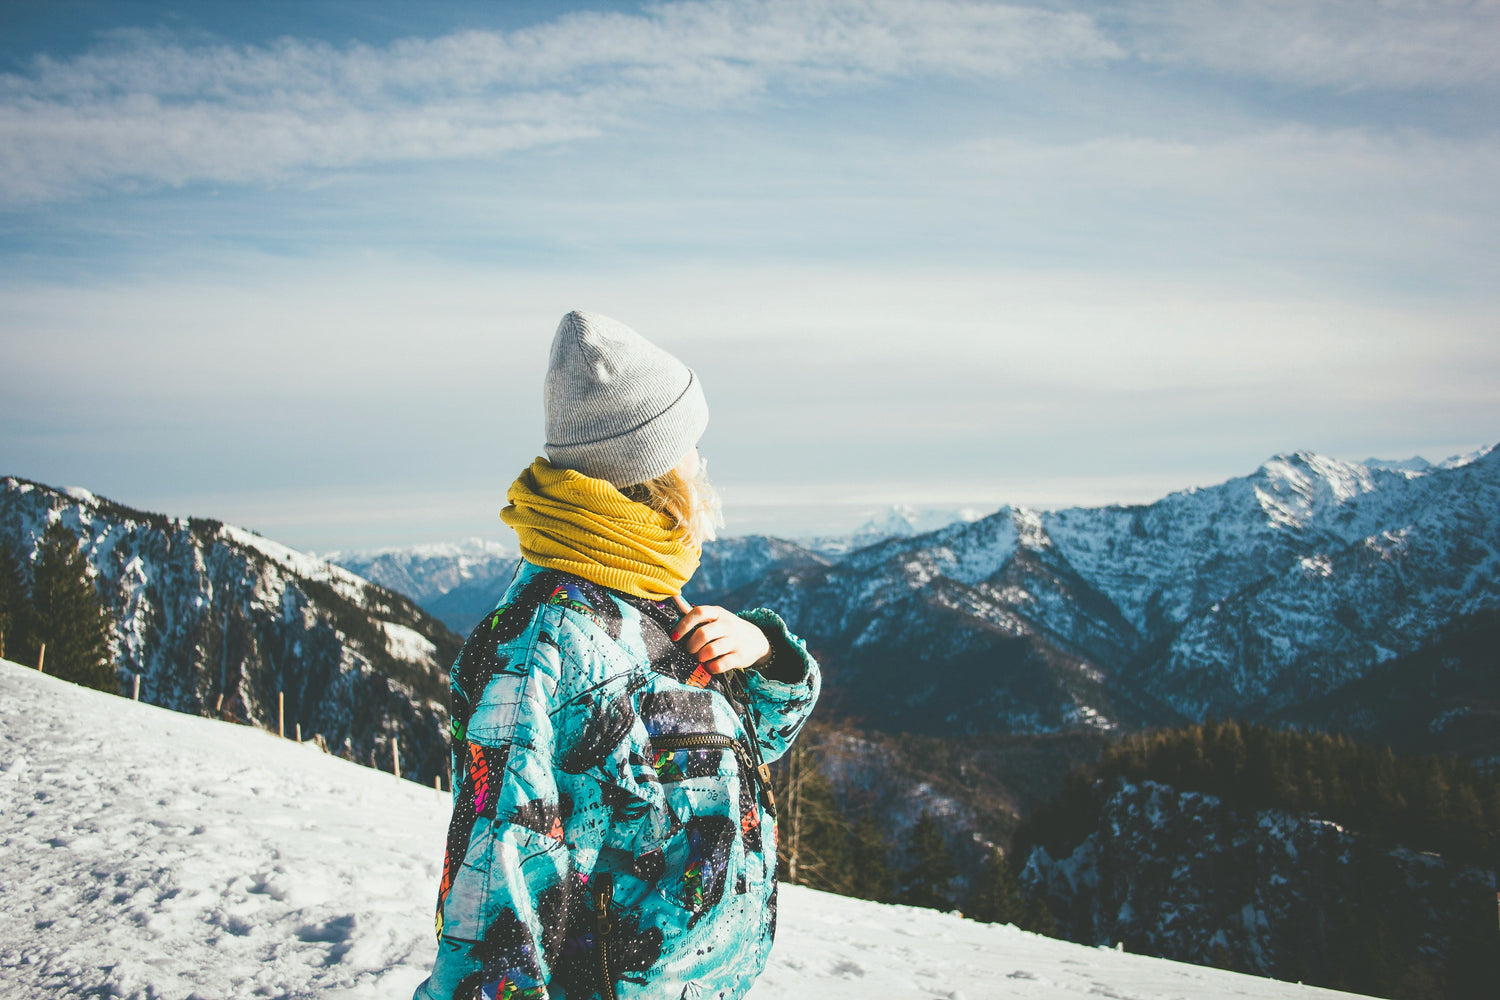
column 781, row 699
column 539, row 773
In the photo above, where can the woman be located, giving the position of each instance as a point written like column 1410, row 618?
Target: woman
column 613, row 832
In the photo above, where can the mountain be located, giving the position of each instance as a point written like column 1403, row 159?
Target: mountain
column 1243, row 599
column 1443, row 699
column 456, row 582
column 217, row 620
column 896, row 521
column 730, row 563
column 1186, row 876
column 151, row 854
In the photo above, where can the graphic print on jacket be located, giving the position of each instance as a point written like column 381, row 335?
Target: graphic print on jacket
column 611, row 836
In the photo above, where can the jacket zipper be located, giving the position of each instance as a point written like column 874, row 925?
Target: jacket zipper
column 718, row 741
column 602, row 889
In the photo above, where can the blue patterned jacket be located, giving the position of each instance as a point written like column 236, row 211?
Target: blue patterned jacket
column 613, row 835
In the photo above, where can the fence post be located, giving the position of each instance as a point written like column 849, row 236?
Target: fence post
column 281, row 714
column 299, row 732
column 136, row 694
column 437, row 782
column 219, row 706
column 41, row 658
column 396, row 756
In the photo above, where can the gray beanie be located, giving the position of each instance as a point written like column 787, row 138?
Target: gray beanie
column 618, row 407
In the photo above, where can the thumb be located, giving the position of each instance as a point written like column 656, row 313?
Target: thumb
column 682, row 605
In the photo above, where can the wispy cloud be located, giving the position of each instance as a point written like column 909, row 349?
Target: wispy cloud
column 146, row 109
column 1343, row 43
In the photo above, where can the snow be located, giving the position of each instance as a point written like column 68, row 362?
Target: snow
column 407, row 643
column 309, row 567
column 146, row 853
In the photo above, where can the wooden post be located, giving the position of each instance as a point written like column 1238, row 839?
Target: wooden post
column 794, row 768
column 136, row 694
column 41, row 658
column 437, row 782
column 219, row 706
column 299, row 732
column 396, row 756
column 281, row 714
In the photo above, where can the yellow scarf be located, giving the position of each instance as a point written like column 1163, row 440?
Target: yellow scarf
column 584, row 526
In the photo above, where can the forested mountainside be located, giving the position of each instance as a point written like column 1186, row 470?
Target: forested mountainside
column 1442, row 699
column 1243, row 599
column 1294, row 855
column 219, row 621
column 1185, row 876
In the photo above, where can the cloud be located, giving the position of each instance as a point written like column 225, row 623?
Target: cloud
column 145, row 109
column 1342, row 43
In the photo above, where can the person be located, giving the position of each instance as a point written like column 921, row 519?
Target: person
column 613, row 829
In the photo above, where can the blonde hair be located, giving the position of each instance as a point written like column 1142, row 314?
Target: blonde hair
column 692, row 504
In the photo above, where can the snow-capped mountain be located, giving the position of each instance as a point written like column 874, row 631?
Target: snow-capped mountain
column 217, row 620
column 1243, row 598
column 896, row 521
column 730, row 563
column 456, row 582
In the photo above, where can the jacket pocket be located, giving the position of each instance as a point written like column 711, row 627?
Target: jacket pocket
column 700, row 862
column 678, row 757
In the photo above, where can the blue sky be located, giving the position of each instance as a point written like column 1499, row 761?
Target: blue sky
column 297, row 265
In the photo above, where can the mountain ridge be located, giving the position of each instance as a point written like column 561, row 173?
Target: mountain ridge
column 217, row 620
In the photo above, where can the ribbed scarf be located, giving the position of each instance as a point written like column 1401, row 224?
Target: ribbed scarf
column 584, row 526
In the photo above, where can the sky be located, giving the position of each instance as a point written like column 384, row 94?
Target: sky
column 297, row 265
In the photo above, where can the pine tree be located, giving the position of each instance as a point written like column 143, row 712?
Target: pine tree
column 870, row 874
column 996, row 899
column 926, row 881
column 67, row 614
column 1039, row 919
column 13, row 604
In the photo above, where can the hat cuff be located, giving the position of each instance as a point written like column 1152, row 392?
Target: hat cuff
column 645, row 451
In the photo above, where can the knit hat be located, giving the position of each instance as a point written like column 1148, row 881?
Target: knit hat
column 618, row 407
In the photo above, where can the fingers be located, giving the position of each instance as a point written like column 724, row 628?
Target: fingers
column 703, row 635
column 682, row 605
column 695, row 617
column 729, row 661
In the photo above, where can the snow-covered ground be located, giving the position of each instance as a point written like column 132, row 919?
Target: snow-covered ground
column 145, row 854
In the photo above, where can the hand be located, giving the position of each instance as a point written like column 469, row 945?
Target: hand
column 720, row 640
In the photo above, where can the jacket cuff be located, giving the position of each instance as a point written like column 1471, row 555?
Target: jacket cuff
column 792, row 662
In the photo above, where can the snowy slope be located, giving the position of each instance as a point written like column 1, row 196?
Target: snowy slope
column 146, row 853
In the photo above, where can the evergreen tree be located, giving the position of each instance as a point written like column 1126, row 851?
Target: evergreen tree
column 13, row 604
column 67, row 614
column 996, row 898
column 927, row 880
column 870, row 874
column 1039, row 919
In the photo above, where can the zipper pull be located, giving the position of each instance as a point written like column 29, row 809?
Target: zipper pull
column 765, row 783
column 603, row 886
